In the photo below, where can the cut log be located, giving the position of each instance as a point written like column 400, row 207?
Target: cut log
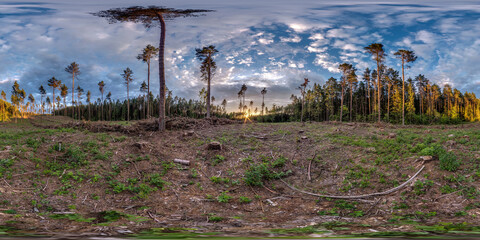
column 214, row 146
column 181, row 161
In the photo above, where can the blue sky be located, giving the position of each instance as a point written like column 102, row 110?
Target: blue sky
column 273, row 44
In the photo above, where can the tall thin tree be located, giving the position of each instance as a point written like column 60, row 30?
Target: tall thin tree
column 207, row 68
column 146, row 56
column 302, row 89
column 54, row 83
column 263, row 92
column 406, row 56
column 346, row 69
column 101, row 88
column 151, row 16
column 377, row 51
column 89, row 97
column 128, row 77
column 73, row 69
column 79, row 101
column 42, row 95
column 63, row 93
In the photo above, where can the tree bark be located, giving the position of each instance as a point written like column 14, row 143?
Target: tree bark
column 161, row 73
column 403, row 92
column 208, row 87
column 341, row 105
column 73, row 95
column 148, row 87
column 128, row 104
column 378, row 91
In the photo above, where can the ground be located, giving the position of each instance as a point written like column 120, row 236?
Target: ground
column 63, row 176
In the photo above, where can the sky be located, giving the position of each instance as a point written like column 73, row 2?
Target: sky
column 271, row 43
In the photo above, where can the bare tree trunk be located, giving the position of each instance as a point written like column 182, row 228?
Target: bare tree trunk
column 351, row 101
column 53, row 102
column 148, row 88
column 378, row 90
column 128, row 104
column 403, row 92
column 73, row 95
column 161, row 73
column 341, row 105
column 208, row 87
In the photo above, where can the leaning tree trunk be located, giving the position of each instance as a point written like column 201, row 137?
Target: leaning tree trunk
column 161, row 73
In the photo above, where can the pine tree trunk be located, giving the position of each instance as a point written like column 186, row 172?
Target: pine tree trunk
column 341, row 105
column 148, row 87
column 208, row 87
column 378, row 90
column 351, row 101
column 161, row 73
column 73, row 95
column 403, row 92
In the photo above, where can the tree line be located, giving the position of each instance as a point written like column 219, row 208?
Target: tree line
column 378, row 95
column 381, row 94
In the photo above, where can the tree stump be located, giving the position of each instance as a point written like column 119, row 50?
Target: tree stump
column 214, row 146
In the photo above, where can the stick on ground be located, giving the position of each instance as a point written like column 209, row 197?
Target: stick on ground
column 358, row 196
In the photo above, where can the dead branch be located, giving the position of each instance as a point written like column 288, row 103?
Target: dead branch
column 358, row 196
column 153, row 217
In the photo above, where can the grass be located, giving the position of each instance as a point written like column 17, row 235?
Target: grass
column 94, row 166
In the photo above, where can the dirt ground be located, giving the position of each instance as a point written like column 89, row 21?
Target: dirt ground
column 101, row 178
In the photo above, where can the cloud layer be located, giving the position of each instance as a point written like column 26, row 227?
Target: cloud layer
column 273, row 44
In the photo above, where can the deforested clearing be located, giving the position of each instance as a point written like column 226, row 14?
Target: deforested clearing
column 64, row 176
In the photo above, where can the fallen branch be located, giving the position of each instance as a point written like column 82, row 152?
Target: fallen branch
column 153, row 217
column 358, row 196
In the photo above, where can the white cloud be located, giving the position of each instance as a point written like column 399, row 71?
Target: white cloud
column 265, row 41
column 294, row 39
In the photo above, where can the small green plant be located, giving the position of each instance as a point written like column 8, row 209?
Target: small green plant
column 157, row 181
column 421, row 187
column 217, row 159
column 243, row 199
column 257, row 173
column 72, row 217
column 111, row 216
column 449, row 162
column 224, row 197
column 215, row 219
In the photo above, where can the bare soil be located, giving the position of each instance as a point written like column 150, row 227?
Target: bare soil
column 37, row 186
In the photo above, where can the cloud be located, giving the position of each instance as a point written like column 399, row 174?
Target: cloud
column 293, row 39
column 256, row 40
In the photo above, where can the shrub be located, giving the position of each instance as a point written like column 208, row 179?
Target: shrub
column 257, row 173
column 156, row 180
column 449, row 162
column 433, row 150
